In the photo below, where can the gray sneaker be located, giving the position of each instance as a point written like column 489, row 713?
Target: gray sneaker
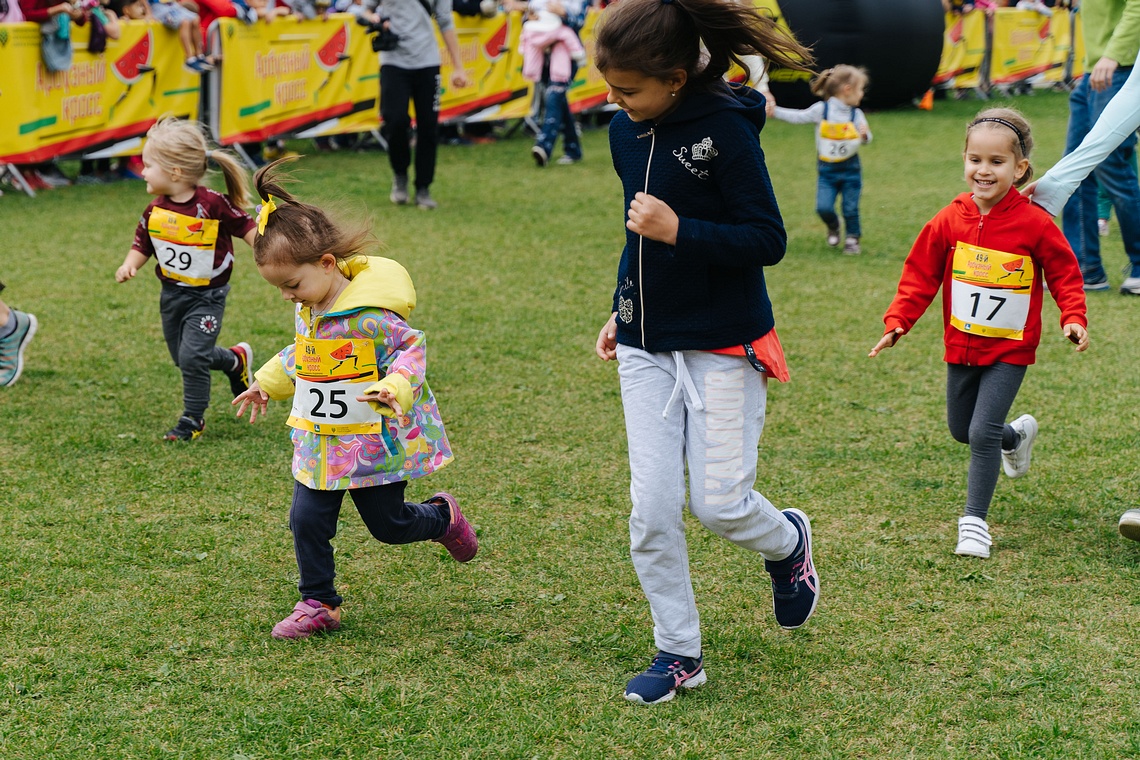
column 12, row 347
column 1130, row 286
column 399, row 194
column 424, row 199
column 851, row 246
column 1130, row 524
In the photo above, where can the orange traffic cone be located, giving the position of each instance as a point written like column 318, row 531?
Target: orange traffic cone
column 927, row 101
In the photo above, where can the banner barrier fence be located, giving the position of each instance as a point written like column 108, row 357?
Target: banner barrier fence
column 311, row 78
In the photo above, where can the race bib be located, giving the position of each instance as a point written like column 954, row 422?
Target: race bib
column 183, row 245
column 990, row 292
column 330, row 375
column 838, row 141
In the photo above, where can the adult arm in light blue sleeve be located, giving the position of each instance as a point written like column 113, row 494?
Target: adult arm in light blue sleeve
column 1120, row 118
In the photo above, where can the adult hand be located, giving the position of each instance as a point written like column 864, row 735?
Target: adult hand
column 651, row 217
column 886, row 341
column 460, row 78
column 606, row 347
column 1100, row 78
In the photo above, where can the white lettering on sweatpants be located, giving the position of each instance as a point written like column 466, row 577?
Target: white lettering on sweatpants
column 724, row 431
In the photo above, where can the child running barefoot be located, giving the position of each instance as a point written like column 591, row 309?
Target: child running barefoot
column 188, row 228
column 842, row 129
column 692, row 326
column 990, row 251
column 363, row 417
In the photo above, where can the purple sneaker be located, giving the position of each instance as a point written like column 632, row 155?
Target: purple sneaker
column 459, row 540
column 308, row 617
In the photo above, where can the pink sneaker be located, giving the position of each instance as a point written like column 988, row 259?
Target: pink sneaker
column 459, row 540
column 309, row 616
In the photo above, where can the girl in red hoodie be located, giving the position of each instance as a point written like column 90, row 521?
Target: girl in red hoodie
column 989, row 251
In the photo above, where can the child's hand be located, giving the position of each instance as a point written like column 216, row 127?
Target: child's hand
column 886, row 341
column 125, row 272
column 255, row 399
column 606, row 347
column 1077, row 334
column 386, row 397
column 652, row 218
column 862, row 128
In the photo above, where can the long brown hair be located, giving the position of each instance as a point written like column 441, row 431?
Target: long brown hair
column 297, row 232
column 658, row 37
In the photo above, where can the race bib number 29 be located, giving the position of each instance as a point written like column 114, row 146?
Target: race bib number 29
column 990, row 292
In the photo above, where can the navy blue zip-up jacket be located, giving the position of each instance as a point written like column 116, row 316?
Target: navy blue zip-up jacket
column 704, row 160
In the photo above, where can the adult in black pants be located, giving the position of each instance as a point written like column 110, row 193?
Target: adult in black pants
column 410, row 74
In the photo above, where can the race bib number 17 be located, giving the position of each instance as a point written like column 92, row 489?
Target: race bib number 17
column 990, row 292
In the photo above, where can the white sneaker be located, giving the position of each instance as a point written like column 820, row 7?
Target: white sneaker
column 1102, row 227
column 833, row 237
column 973, row 537
column 1130, row 286
column 1016, row 462
column 1130, row 524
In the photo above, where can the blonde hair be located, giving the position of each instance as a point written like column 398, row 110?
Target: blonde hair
column 299, row 233
column 830, row 81
column 178, row 144
column 1010, row 122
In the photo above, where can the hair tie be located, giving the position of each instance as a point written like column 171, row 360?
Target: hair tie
column 263, row 211
column 1004, row 123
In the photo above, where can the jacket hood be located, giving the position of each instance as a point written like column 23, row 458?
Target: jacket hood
column 373, row 282
column 964, row 204
column 721, row 96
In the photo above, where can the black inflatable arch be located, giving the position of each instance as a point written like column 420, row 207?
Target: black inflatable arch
column 899, row 42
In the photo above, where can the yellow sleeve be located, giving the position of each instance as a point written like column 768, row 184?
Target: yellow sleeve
column 274, row 380
column 400, row 387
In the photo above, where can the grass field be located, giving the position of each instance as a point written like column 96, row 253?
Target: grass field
column 139, row 580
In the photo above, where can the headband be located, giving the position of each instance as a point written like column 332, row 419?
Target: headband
column 1004, row 123
column 263, row 212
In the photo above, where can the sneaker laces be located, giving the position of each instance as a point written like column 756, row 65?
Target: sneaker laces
column 666, row 664
column 791, row 587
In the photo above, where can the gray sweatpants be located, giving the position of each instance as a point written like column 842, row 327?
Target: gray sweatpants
column 191, row 321
column 977, row 402
column 703, row 412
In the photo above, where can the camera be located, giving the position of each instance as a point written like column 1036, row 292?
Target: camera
column 382, row 39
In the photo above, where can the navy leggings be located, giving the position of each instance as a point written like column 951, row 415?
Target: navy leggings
column 313, row 518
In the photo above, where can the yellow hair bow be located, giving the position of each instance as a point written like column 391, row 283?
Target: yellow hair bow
column 263, row 213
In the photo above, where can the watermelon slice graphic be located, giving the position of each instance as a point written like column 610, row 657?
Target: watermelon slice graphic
column 1013, row 266
column 497, row 44
column 333, row 52
column 342, row 352
column 133, row 64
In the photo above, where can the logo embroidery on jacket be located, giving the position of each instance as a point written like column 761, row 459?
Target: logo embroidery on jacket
column 625, row 309
column 702, row 151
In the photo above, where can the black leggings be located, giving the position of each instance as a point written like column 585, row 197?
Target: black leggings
column 977, row 402
column 389, row 518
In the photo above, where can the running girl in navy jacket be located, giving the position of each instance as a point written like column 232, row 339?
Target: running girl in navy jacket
column 692, row 326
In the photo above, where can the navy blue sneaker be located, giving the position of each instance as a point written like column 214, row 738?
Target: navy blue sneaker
column 795, row 583
column 659, row 683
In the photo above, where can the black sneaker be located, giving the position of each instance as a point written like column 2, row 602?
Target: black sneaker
column 187, row 429
column 242, row 377
column 668, row 671
column 795, row 583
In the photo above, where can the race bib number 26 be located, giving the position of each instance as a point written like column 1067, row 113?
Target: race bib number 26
column 990, row 292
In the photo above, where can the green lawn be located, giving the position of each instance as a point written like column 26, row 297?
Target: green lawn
column 139, row 580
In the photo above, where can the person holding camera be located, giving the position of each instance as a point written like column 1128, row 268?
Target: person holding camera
column 409, row 73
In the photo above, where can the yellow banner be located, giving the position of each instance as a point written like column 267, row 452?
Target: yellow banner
column 1023, row 45
column 103, row 105
column 963, row 50
column 490, row 52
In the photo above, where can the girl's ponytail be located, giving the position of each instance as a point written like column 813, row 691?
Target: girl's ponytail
column 237, row 179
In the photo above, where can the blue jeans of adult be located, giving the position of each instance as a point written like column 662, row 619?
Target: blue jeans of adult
column 1116, row 175
column 842, row 178
column 557, row 118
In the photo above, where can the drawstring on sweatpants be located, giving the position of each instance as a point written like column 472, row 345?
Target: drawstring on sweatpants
column 684, row 385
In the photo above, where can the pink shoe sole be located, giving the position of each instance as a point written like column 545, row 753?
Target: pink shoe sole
column 459, row 540
column 306, row 620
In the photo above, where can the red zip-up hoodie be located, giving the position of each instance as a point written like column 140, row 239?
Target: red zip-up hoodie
column 1013, row 226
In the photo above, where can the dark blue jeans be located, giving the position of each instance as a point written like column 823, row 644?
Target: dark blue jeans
column 844, row 178
column 557, row 118
column 313, row 518
column 1116, row 175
